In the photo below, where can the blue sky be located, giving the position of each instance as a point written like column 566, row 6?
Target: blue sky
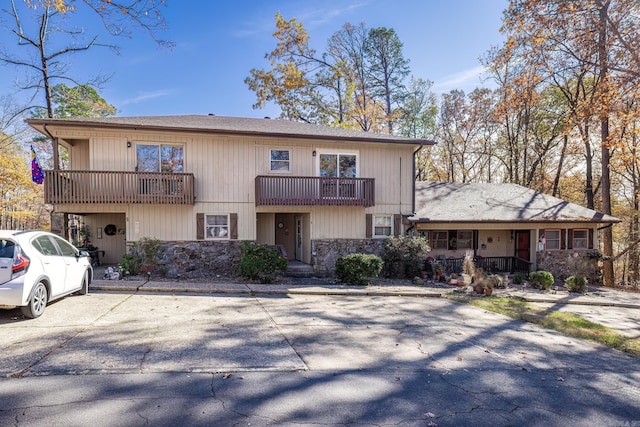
column 217, row 43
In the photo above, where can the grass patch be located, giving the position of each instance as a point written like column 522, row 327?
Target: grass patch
column 567, row 323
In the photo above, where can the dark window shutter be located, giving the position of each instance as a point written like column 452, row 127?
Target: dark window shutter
column 233, row 226
column 563, row 239
column 397, row 225
column 475, row 240
column 570, row 238
column 369, row 225
column 200, row 226
column 590, row 239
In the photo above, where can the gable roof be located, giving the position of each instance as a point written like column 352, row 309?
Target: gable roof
column 439, row 202
column 228, row 125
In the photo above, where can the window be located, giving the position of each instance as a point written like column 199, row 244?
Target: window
column 440, row 240
column 65, row 247
column 45, row 246
column 279, row 161
column 464, row 240
column 580, row 239
column 338, row 165
column 382, row 225
column 216, row 226
column 334, row 167
column 551, row 239
column 159, row 158
column 7, row 248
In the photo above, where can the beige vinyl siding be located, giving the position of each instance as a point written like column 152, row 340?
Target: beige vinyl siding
column 111, row 154
column 223, row 168
column 80, row 160
column 329, row 222
column 178, row 223
column 392, row 166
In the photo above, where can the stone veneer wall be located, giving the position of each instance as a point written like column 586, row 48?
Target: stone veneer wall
column 563, row 264
column 326, row 252
column 218, row 258
column 198, row 259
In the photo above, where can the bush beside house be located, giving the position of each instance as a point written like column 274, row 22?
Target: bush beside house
column 358, row 269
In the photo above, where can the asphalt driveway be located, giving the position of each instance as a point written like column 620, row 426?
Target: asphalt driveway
column 174, row 359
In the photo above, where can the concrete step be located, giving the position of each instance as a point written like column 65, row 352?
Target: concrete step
column 299, row 269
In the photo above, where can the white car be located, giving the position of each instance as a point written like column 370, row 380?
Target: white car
column 37, row 267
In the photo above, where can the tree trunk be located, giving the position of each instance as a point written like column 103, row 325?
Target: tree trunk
column 607, row 233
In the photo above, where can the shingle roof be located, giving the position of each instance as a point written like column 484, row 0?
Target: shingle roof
column 236, row 125
column 472, row 202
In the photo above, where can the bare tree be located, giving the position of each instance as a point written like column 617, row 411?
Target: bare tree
column 44, row 49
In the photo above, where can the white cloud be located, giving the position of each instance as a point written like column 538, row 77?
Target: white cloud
column 322, row 16
column 464, row 80
column 145, row 96
column 309, row 17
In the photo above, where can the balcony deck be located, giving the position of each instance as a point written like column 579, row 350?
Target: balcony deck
column 314, row 191
column 70, row 187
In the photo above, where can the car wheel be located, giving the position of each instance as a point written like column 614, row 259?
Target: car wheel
column 85, row 284
column 37, row 303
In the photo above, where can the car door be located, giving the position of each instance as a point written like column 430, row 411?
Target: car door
column 75, row 266
column 53, row 265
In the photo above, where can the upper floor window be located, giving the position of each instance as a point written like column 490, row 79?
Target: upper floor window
column 279, row 161
column 382, row 225
column 339, row 165
column 159, row 158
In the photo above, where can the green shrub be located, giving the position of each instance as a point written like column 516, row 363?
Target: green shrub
column 260, row 262
column 541, row 279
column 403, row 257
column 357, row 269
column 131, row 264
column 149, row 249
column 518, row 278
column 144, row 253
column 575, row 283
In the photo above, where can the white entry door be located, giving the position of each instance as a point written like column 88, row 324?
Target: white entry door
column 298, row 238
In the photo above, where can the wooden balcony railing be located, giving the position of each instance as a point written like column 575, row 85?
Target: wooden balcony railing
column 313, row 190
column 62, row 186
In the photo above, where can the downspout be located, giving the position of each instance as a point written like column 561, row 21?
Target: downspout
column 413, row 187
column 54, row 145
column 413, row 193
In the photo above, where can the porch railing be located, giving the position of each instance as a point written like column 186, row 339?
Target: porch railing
column 496, row 264
column 313, row 190
column 66, row 187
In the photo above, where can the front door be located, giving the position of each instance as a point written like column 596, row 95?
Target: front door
column 523, row 244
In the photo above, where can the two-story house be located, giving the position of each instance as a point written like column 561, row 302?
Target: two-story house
column 203, row 183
